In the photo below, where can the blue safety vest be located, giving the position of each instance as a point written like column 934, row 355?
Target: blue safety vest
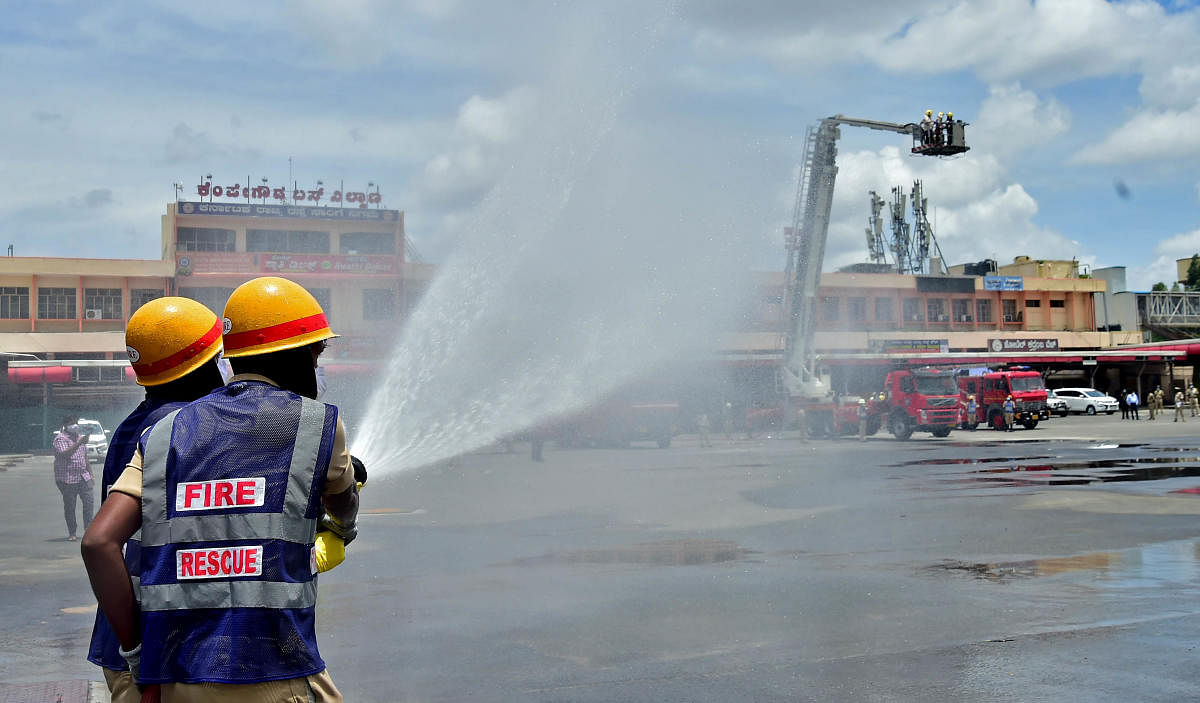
column 231, row 494
column 103, row 650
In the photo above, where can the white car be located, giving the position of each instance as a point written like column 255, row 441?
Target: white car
column 1087, row 400
column 1058, row 406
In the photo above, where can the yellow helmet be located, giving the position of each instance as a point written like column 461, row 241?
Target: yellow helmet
column 941, row 114
column 950, row 115
column 929, row 113
column 970, row 397
column 270, row 314
column 168, row 338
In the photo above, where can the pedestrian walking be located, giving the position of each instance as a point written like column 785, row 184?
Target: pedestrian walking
column 1010, row 414
column 1124, row 404
column 1179, row 401
column 229, row 492
column 71, row 474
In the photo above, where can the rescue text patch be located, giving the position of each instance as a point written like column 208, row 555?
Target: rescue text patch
column 222, row 561
column 222, row 493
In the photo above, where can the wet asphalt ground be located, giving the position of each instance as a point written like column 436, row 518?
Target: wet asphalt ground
column 1058, row 564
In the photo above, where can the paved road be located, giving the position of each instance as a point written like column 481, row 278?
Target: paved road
column 1055, row 564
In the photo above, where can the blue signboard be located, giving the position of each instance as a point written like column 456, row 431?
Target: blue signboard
column 1003, row 283
column 293, row 211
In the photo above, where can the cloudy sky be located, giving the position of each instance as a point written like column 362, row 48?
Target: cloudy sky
column 1084, row 115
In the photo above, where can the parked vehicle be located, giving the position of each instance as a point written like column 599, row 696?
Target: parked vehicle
column 1058, row 406
column 1026, row 387
column 1087, row 400
column 912, row 400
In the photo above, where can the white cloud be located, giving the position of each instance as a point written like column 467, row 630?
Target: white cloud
column 1011, row 119
column 1154, row 134
column 1162, row 266
column 976, row 213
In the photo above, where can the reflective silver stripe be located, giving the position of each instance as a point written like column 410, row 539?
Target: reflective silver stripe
column 217, row 528
column 229, row 594
column 154, row 473
column 304, row 458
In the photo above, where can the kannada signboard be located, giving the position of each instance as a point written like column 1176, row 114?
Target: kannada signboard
column 292, row 211
column 910, row 346
column 1023, row 345
column 1003, row 283
column 236, row 262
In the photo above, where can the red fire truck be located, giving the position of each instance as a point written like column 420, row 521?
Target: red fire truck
column 991, row 389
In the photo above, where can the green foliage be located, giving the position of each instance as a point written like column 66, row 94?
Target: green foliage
column 1193, row 273
column 1159, row 287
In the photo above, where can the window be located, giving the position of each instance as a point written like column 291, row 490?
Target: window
column 212, row 298
column 856, row 309
column 937, row 310
column 106, row 300
column 983, row 310
column 204, row 239
column 291, row 241
column 140, row 296
column 1058, row 303
column 912, row 310
column 323, row 299
column 884, row 309
column 14, row 302
column 830, row 308
column 962, row 310
column 1033, row 303
column 56, row 303
column 379, row 303
column 367, row 243
column 1010, row 310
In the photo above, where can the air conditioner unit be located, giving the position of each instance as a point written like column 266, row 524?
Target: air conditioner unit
column 93, row 314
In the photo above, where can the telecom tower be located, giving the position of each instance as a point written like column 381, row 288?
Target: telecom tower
column 911, row 246
column 876, row 249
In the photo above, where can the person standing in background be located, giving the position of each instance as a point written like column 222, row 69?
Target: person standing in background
column 71, row 473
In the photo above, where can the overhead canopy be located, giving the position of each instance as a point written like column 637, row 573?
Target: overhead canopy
column 42, row 343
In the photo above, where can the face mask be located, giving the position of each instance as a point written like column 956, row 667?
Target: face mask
column 225, row 368
column 320, row 371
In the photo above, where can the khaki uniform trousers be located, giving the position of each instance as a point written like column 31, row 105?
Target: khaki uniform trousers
column 317, row 688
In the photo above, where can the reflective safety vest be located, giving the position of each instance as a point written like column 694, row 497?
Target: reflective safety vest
column 231, row 494
column 103, row 649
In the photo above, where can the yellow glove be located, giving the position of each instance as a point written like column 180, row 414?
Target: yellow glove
column 330, row 551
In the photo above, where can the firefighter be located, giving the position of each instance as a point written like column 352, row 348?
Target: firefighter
column 927, row 128
column 227, row 594
column 1194, row 400
column 173, row 346
column 938, row 125
column 1160, row 399
column 1153, row 405
column 1179, row 402
column 862, row 420
column 972, row 411
column 1010, row 413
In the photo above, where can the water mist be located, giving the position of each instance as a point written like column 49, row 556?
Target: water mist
column 600, row 254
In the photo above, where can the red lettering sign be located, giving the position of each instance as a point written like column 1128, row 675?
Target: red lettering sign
column 221, row 494
column 222, row 561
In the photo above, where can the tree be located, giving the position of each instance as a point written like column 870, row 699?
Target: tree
column 1193, row 273
column 1159, row 287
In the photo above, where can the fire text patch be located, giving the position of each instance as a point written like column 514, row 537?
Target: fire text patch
column 221, row 494
column 219, row 562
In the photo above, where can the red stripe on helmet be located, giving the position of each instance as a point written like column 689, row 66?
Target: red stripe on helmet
column 275, row 333
column 154, row 368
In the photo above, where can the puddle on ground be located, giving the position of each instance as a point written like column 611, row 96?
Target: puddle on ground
column 1170, row 564
column 682, row 552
